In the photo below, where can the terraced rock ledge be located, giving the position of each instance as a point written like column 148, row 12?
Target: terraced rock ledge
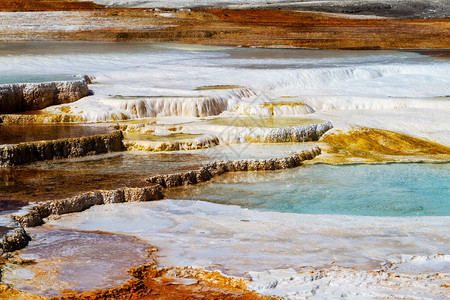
column 19, row 97
column 211, row 170
column 35, row 215
column 202, row 142
column 25, row 153
column 144, row 276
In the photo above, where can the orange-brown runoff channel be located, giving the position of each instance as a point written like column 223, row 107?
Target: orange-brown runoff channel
column 247, row 27
column 151, row 283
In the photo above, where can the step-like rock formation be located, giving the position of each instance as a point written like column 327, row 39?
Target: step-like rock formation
column 218, row 168
column 276, row 135
column 25, row 153
column 18, row 119
column 42, row 210
column 36, row 214
column 18, row 97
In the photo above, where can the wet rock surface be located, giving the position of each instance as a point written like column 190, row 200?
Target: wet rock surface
column 191, row 144
column 82, row 202
column 58, row 179
column 14, row 239
column 262, row 27
column 218, row 168
column 60, row 260
column 37, row 151
column 36, row 214
column 18, row 97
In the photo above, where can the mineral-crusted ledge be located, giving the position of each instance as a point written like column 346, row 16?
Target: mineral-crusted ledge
column 18, row 97
column 25, row 153
column 36, row 214
column 220, row 167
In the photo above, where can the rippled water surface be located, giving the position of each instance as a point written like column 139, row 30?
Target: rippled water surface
column 372, row 190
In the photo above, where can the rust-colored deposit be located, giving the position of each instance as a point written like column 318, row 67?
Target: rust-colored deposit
column 376, row 145
column 246, row 27
column 150, row 282
column 46, row 5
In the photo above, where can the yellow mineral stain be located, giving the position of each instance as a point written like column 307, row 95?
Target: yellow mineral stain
column 65, row 109
column 216, row 278
column 263, row 122
column 41, row 118
column 218, row 87
column 172, row 142
column 377, row 145
column 160, row 138
column 273, row 105
column 7, row 292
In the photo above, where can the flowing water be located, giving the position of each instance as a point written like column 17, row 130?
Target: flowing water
column 367, row 231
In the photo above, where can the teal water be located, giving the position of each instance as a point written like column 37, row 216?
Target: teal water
column 34, row 78
column 372, row 190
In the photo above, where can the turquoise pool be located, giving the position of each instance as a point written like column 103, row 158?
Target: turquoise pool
column 412, row 189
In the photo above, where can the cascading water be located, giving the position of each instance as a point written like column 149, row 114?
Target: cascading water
column 338, row 230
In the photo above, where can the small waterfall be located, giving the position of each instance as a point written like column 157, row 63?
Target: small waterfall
column 330, row 78
column 97, row 109
column 172, row 106
column 275, row 109
column 276, row 135
column 326, row 103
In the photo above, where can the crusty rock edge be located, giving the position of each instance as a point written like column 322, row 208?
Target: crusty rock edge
column 220, row 167
column 36, row 214
column 19, row 97
column 25, row 153
column 15, row 239
column 81, row 202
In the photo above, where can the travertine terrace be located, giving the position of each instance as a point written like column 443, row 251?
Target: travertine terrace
column 224, row 149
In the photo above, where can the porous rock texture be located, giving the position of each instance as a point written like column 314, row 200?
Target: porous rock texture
column 285, row 135
column 18, row 238
column 218, row 168
column 25, row 153
column 192, row 144
column 19, row 97
column 15, row 239
column 84, row 201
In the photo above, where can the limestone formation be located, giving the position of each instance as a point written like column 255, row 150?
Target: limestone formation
column 190, row 144
column 35, row 216
column 84, row 201
column 296, row 134
column 25, row 153
column 18, row 97
column 40, row 118
column 218, row 168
